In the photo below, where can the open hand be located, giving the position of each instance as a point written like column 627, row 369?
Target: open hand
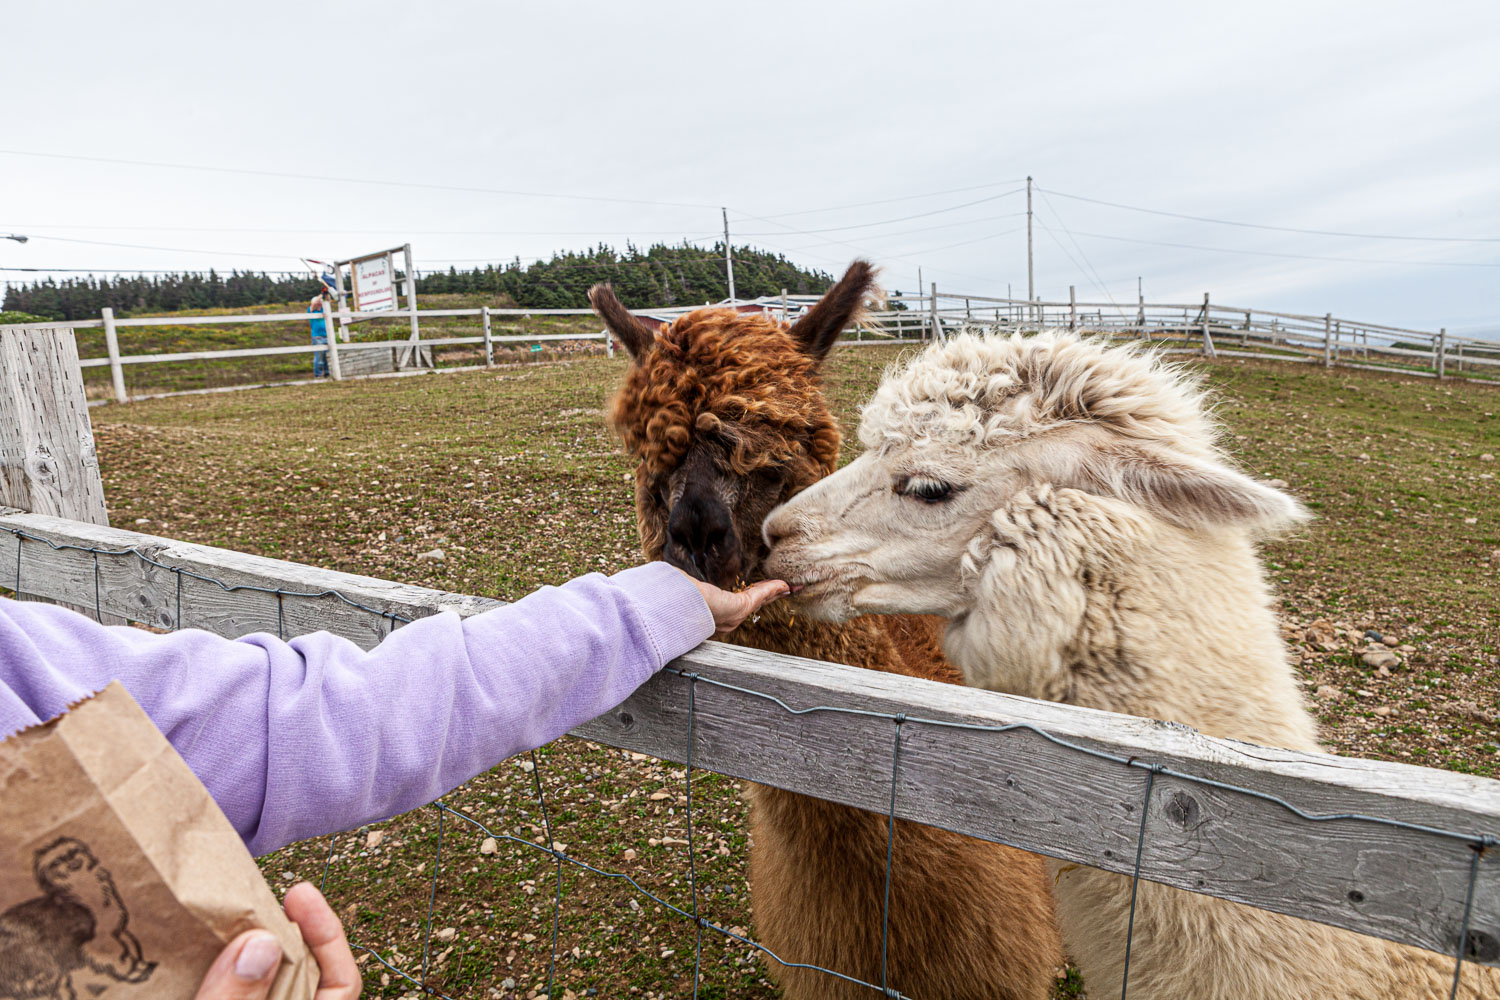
column 730, row 608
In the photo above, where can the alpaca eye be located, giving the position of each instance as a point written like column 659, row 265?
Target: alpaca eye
column 926, row 490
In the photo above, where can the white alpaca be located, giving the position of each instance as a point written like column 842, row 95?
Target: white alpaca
column 1065, row 505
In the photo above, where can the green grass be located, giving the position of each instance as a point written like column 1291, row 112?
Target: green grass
column 513, row 473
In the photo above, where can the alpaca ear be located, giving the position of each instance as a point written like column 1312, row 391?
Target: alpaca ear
column 1189, row 492
column 635, row 333
column 831, row 315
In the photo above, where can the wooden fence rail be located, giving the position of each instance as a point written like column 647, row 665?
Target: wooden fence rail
column 1381, row 848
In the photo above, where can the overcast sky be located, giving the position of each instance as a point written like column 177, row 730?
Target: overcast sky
column 1353, row 117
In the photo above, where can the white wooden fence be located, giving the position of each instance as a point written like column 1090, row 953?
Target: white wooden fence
column 1206, row 327
column 1391, row 850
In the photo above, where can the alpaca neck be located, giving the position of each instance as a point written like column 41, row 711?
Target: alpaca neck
column 1187, row 635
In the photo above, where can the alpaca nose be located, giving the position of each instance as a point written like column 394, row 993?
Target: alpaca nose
column 700, row 527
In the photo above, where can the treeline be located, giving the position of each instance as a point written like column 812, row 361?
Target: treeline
column 660, row 276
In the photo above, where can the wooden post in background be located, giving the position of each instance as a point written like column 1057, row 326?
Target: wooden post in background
column 1072, row 307
column 112, row 344
column 1328, row 340
column 1208, row 339
column 331, row 336
column 47, row 460
column 784, row 317
column 411, row 305
column 489, row 347
column 936, row 330
column 1442, row 352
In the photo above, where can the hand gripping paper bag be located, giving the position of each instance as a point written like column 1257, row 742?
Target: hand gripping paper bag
column 120, row 878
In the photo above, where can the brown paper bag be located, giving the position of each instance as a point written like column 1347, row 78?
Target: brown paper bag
column 120, row 878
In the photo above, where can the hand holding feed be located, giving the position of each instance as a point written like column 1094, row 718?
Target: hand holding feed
column 730, row 608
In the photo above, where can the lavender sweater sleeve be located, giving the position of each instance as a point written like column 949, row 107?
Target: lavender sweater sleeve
column 301, row 738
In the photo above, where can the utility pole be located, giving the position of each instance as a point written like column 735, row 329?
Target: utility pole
column 728, row 255
column 921, row 288
column 1030, row 266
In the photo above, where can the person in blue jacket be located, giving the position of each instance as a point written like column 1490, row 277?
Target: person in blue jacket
column 319, row 332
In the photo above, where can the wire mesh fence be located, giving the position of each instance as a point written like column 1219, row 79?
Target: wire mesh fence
column 1473, row 847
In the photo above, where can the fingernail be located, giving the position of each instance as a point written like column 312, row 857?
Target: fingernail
column 257, row 958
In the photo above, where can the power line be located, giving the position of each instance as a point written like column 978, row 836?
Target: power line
column 887, row 201
column 1281, row 229
column 288, row 175
column 885, row 222
column 1092, row 272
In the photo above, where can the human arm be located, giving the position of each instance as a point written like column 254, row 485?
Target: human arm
column 296, row 739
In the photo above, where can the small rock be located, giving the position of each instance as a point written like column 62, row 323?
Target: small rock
column 1471, row 520
column 668, row 952
column 1365, row 694
column 1380, row 658
column 490, row 846
column 446, row 934
column 510, row 984
column 288, row 875
column 527, row 766
column 1383, row 710
column 1486, row 457
column 436, row 555
column 1382, row 671
column 1277, row 484
column 1329, row 692
column 373, row 838
column 1373, row 635
column 1322, row 635
column 143, row 520
column 659, row 796
column 1391, row 640
column 629, row 854
column 1362, row 457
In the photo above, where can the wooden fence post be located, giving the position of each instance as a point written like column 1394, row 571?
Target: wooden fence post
column 489, row 347
column 1208, row 340
column 932, row 307
column 1072, row 307
column 1245, row 337
column 48, row 464
column 112, row 344
column 1442, row 352
column 331, row 336
column 1328, row 340
column 784, row 317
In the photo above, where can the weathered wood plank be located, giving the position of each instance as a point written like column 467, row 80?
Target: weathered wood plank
column 1080, row 803
column 141, row 582
column 1022, row 789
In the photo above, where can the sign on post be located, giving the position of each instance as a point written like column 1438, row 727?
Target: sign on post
column 374, row 290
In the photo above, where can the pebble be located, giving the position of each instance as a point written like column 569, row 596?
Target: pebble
column 1486, row 457
column 510, row 984
column 1329, row 691
column 436, row 555
column 490, row 846
column 1391, row 640
column 1471, row 520
column 446, row 934
column 373, row 838
column 659, row 796
column 1372, row 634
column 629, row 854
column 1383, row 710
column 1277, row 484
column 1380, row 658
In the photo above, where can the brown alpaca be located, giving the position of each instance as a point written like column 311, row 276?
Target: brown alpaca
column 725, row 416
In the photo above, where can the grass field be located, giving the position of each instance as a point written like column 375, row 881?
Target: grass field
column 513, row 474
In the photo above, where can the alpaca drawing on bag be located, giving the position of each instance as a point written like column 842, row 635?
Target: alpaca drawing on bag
column 724, row 415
